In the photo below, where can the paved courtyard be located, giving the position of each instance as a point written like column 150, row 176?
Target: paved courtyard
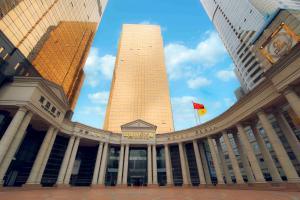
column 145, row 194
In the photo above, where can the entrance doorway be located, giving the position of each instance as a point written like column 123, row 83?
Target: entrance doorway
column 137, row 169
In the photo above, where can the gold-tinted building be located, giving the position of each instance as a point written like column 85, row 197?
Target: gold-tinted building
column 53, row 36
column 140, row 86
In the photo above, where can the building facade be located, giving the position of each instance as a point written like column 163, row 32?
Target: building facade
column 140, row 87
column 253, row 145
column 238, row 26
column 49, row 39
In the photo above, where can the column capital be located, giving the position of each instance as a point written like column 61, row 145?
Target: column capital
column 260, row 112
column 288, row 90
column 23, row 109
column 239, row 125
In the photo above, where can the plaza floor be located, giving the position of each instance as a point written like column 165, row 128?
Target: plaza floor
column 145, row 194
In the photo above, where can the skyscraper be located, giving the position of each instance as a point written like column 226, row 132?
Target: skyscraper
column 49, row 39
column 238, row 24
column 140, row 87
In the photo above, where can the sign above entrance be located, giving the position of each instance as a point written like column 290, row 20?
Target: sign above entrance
column 138, row 130
column 139, row 135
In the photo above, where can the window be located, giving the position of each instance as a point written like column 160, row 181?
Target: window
column 1, row 49
column 48, row 105
column 58, row 114
column 53, row 109
column 42, row 99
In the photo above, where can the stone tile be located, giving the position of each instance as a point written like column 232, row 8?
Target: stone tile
column 145, row 194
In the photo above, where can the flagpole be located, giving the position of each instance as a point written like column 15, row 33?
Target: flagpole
column 195, row 117
column 195, row 114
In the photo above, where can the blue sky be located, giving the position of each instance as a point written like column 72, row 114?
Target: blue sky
column 199, row 68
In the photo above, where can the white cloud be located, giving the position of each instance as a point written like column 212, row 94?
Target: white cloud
column 226, row 75
column 99, row 97
column 184, row 114
column 98, row 66
column 180, row 58
column 91, row 110
column 198, row 82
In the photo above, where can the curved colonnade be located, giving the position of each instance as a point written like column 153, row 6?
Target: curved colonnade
column 219, row 152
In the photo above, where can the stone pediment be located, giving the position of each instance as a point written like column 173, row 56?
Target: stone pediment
column 138, row 125
column 57, row 90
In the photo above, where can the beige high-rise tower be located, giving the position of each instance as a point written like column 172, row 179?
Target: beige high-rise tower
column 140, row 86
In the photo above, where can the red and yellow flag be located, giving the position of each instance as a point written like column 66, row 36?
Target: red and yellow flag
column 198, row 106
column 202, row 112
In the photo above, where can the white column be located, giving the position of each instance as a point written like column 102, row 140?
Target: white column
column 281, row 154
column 259, row 177
column 205, row 164
column 266, row 155
column 15, row 145
column 149, row 162
column 11, row 131
column 154, row 162
column 126, row 158
column 97, row 164
column 244, row 159
column 71, row 162
column 199, row 163
column 32, row 179
column 120, row 167
column 215, row 158
column 183, row 164
column 65, row 162
column 223, row 162
column 289, row 134
column 46, row 158
column 293, row 100
column 103, row 165
column 168, row 165
column 234, row 163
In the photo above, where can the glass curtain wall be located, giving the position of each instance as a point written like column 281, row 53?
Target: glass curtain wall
column 176, row 166
column 112, row 166
column 190, row 154
column 84, row 165
column 161, row 166
column 5, row 119
column 21, row 165
column 137, row 167
column 55, row 160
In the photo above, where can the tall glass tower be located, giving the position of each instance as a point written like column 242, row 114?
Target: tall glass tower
column 140, row 86
column 238, row 24
column 50, row 39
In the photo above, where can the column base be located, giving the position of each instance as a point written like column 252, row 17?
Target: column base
column 121, row 186
column 186, row 185
column 31, row 186
column 152, row 186
column 98, row 186
column 213, row 186
column 294, row 181
column 62, row 185
column 168, row 185
column 293, row 186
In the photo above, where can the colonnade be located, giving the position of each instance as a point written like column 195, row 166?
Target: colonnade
column 13, row 136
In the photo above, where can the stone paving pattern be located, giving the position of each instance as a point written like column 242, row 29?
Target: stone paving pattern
column 145, row 194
